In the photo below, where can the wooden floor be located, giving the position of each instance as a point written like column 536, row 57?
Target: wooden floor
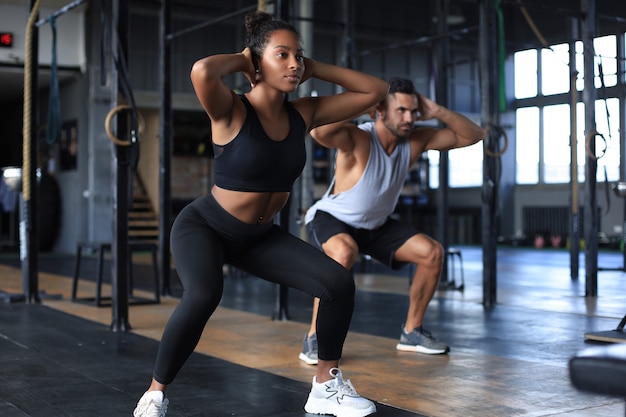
column 508, row 360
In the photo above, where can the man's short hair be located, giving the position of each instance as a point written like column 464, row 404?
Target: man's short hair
column 401, row 85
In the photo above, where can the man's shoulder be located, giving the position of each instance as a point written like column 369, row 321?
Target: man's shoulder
column 366, row 126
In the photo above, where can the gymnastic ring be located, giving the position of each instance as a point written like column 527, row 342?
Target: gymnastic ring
column 504, row 147
column 107, row 124
column 588, row 137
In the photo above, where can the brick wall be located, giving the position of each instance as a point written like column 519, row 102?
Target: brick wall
column 191, row 176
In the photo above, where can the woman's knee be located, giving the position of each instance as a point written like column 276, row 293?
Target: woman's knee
column 342, row 286
column 200, row 303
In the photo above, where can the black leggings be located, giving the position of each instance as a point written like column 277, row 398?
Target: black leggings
column 204, row 237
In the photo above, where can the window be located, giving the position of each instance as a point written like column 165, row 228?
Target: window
column 525, row 66
column 466, row 166
column 555, row 70
column 556, row 149
column 543, row 152
column 527, row 145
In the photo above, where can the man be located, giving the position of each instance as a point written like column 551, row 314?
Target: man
column 352, row 217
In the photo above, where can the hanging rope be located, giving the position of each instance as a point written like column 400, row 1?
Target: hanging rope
column 604, row 95
column 53, row 125
column 532, row 25
column 28, row 117
column 535, row 29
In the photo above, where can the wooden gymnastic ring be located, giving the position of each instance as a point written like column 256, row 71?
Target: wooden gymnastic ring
column 504, row 148
column 588, row 137
column 107, row 124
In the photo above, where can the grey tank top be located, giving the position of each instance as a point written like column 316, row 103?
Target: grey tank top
column 373, row 198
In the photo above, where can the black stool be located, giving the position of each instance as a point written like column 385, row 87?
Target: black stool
column 452, row 254
column 601, row 370
column 101, row 247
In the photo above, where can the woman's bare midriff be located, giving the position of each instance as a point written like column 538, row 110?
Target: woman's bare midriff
column 250, row 207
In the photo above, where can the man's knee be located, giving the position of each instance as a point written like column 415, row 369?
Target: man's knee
column 437, row 254
column 433, row 257
column 343, row 251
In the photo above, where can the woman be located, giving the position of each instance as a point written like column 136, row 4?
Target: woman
column 258, row 142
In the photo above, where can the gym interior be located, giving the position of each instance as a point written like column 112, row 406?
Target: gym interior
column 104, row 142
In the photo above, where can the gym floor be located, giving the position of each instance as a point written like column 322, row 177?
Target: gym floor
column 60, row 358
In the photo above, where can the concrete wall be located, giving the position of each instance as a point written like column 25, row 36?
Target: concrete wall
column 70, row 36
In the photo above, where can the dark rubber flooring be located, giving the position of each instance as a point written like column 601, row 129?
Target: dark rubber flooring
column 53, row 364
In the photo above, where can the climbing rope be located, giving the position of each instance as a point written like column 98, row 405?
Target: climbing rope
column 28, row 117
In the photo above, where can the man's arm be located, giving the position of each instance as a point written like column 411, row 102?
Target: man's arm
column 460, row 130
column 339, row 135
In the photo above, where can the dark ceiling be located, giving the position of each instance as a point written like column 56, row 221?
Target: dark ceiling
column 397, row 22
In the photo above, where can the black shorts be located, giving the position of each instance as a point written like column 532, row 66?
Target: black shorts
column 380, row 243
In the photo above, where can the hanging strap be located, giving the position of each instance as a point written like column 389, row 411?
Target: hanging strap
column 53, row 126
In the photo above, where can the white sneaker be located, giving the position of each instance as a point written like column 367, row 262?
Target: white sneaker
column 337, row 397
column 151, row 404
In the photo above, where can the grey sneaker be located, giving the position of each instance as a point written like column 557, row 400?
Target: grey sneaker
column 337, row 397
column 421, row 340
column 151, row 404
column 309, row 350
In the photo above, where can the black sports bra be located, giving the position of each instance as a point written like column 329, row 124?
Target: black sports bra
column 254, row 162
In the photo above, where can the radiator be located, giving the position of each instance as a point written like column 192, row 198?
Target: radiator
column 548, row 221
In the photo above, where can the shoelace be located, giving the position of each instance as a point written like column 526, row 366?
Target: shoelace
column 344, row 387
column 425, row 332
column 153, row 409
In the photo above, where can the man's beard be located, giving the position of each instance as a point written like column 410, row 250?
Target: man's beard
column 400, row 134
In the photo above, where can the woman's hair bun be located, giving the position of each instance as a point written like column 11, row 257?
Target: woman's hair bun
column 254, row 20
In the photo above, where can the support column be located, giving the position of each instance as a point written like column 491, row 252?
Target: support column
column 574, row 236
column 121, row 169
column 588, row 8
column 441, row 58
column 490, row 117
column 165, row 144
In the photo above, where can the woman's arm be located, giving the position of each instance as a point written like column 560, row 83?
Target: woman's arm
column 362, row 92
column 207, row 76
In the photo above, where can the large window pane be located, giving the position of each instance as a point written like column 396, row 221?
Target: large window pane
column 556, row 149
column 466, row 166
column 605, row 49
column 580, row 66
column 606, row 56
column 580, row 143
column 527, row 145
column 433, row 169
column 525, row 64
column 555, row 69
